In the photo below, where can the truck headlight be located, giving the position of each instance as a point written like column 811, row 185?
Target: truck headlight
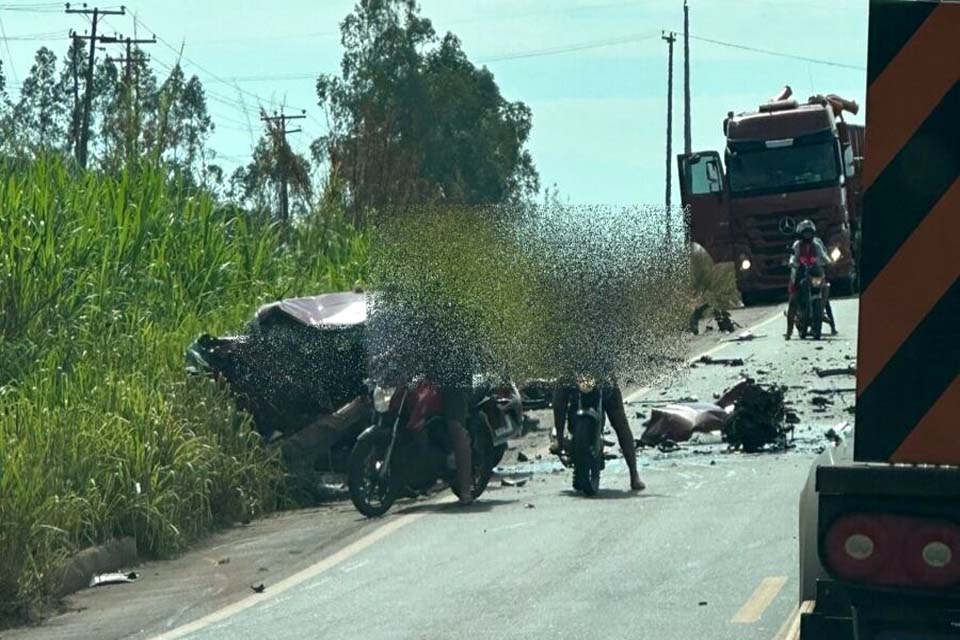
column 382, row 397
column 586, row 384
column 745, row 263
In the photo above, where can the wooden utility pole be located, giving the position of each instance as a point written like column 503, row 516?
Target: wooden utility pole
column 75, row 115
column 128, row 59
column 279, row 133
column 670, row 38
column 88, row 94
column 687, row 146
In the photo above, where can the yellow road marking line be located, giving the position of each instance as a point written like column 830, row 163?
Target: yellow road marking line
column 352, row 549
column 639, row 393
column 790, row 630
column 762, row 598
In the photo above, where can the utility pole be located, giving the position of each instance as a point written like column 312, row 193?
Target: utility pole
column 75, row 115
column 670, row 37
column 96, row 14
column 687, row 146
column 279, row 133
column 129, row 42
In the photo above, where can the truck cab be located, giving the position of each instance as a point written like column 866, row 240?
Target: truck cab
column 784, row 163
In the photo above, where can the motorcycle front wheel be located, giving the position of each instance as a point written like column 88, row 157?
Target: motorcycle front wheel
column 371, row 494
column 816, row 319
column 586, row 458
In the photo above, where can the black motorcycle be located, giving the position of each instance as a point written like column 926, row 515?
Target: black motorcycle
column 407, row 448
column 585, row 423
column 811, row 301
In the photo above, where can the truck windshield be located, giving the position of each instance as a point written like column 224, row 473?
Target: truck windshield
column 756, row 168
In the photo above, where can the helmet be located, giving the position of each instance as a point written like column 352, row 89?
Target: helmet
column 806, row 226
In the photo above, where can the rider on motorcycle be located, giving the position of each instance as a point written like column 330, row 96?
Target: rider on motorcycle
column 613, row 407
column 808, row 251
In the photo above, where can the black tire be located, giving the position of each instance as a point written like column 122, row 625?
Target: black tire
column 586, row 458
column 750, row 298
column 816, row 321
column 482, row 456
column 498, row 453
column 372, row 498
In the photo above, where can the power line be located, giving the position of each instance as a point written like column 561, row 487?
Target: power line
column 779, row 54
column 6, row 43
column 48, row 35
column 596, row 44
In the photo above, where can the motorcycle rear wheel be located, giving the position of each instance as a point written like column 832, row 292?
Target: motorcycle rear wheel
column 586, row 458
column 371, row 495
column 482, row 459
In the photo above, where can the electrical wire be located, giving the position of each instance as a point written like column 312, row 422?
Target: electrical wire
column 6, row 44
column 569, row 48
column 778, row 54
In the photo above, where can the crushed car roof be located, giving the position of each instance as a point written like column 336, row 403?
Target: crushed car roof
column 326, row 310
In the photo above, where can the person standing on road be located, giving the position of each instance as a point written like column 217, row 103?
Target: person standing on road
column 613, row 407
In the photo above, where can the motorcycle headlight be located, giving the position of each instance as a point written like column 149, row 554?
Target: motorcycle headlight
column 382, row 397
column 586, row 384
column 816, row 281
column 835, row 254
column 745, row 263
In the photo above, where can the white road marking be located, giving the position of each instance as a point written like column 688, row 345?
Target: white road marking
column 642, row 391
column 274, row 590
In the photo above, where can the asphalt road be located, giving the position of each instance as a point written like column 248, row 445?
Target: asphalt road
column 707, row 551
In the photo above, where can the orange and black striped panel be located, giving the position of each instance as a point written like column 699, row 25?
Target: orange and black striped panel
column 908, row 394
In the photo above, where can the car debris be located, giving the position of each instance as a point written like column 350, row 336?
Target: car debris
column 730, row 362
column 508, row 481
column 724, row 322
column 522, row 457
column 845, row 371
column 746, row 336
column 758, row 419
column 260, row 588
column 113, row 578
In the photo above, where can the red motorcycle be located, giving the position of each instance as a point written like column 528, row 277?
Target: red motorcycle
column 407, row 449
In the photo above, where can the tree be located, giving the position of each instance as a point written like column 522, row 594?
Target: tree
column 410, row 124
column 38, row 117
column 259, row 184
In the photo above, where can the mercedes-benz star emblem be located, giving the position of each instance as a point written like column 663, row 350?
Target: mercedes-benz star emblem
column 787, row 226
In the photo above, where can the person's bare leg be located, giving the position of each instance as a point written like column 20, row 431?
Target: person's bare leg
column 463, row 458
column 791, row 315
column 560, row 396
column 620, row 424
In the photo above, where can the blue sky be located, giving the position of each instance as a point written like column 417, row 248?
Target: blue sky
column 599, row 112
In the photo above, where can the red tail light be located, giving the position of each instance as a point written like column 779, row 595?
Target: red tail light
column 894, row 550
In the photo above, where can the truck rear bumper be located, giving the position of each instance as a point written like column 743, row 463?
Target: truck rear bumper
column 851, row 612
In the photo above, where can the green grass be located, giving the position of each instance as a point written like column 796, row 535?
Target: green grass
column 103, row 282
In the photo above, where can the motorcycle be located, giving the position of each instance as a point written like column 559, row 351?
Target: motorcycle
column 407, row 448
column 812, row 295
column 585, row 422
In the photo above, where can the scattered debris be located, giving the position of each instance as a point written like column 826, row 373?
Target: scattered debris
column 792, row 417
column 724, row 322
column 608, row 443
column 668, row 446
column 703, row 603
column 530, row 423
column 223, row 561
column 833, row 390
column 260, row 588
column 514, row 482
column 758, row 419
column 610, row 456
column 820, row 401
column 746, row 336
column 113, row 578
column 851, row 409
column 845, row 371
column 529, row 505
column 833, row 436
column 522, row 457
column 730, row 362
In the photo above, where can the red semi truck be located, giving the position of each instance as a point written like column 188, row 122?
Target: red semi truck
column 783, row 163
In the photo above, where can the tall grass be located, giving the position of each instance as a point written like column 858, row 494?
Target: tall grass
column 103, row 281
